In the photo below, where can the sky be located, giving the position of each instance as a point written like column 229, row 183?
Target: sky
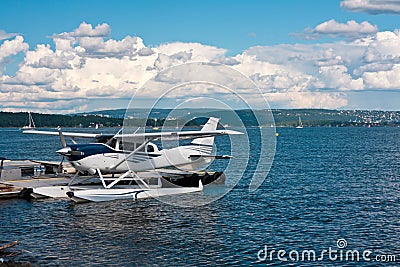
column 75, row 56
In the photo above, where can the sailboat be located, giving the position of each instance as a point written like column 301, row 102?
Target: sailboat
column 300, row 126
column 31, row 123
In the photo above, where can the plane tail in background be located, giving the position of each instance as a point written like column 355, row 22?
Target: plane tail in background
column 211, row 125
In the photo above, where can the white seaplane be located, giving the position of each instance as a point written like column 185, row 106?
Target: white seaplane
column 129, row 154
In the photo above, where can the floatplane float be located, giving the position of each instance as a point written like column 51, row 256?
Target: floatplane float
column 131, row 156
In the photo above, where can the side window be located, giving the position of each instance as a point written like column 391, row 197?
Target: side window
column 149, row 148
column 112, row 142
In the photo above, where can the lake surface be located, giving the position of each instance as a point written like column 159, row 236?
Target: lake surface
column 325, row 185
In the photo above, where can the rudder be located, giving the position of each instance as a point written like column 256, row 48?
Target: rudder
column 211, row 125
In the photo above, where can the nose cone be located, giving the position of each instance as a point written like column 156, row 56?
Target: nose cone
column 64, row 151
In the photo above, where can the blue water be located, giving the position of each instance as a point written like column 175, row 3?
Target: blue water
column 325, row 184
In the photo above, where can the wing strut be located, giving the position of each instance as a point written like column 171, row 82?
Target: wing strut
column 101, row 178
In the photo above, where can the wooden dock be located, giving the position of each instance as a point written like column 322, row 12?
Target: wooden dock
column 15, row 175
column 9, row 191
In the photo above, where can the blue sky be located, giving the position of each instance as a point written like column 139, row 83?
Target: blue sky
column 234, row 25
column 260, row 32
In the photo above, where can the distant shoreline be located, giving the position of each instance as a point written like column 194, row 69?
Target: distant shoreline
column 157, row 118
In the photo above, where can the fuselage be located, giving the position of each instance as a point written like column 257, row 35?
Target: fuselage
column 93, row 156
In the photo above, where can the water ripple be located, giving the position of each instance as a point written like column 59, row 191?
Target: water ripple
column 325, row 184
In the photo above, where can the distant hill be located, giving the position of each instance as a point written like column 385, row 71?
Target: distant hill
column 195, row 117
column 282, row 117
column 19, row 119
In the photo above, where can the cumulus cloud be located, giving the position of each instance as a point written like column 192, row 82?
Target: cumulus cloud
column 385, row 79
column 87, row 30
column 199, row 52
column 336, row 28
column 12, row 47
column 337, row 76
column 98, row 47
column 332, row 28
column 44, row 57
column 145, row 51
column 230, row 61
column 384, row 47
column 372, row 6
column 86, row 65
column 63, row 106
column 293, row 99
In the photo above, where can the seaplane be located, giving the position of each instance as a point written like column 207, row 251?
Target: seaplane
column 129, row 154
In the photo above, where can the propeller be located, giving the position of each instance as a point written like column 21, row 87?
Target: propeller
column 62, row 138
column 64, row 144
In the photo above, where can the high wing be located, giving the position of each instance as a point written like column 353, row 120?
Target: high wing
column 140, row 136
column 173, row 135
column 71, row 134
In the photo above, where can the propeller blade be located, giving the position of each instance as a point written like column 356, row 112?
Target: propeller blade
column 66, row 151
column 62, row 138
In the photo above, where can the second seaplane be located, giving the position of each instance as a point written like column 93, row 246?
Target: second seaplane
column 128, row 154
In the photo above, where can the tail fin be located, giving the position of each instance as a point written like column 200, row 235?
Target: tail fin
column 211, row 125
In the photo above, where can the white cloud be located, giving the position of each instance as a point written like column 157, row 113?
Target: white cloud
column 12, row 47
column 199, row 52
column 44, row 57
column 372, row 6
column 337, row 76
column 319, row 67
column 145, row 51
column 384, row 47
column 97, row 47
column 336, row 28
column 292, row 99
column 230, row 61
column 332, row 28
column 385, row 79
column 86, row 30
column 84, row 66
column 58, row 106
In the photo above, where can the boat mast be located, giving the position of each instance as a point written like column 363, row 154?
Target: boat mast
column 31, row 122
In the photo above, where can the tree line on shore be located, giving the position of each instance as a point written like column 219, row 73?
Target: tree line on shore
column 280, row 118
